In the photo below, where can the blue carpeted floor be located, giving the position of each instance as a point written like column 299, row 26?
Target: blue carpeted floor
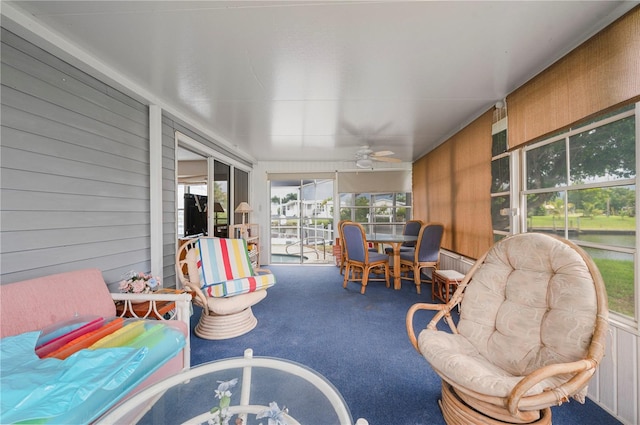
column 358, row 342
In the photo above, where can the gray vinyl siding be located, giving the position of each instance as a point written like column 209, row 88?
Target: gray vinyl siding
column 169, row 208
column 170, row 125
column 74, row 160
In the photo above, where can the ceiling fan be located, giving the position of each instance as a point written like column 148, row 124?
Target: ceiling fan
column 365, row 157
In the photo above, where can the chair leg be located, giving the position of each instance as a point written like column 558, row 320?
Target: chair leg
column 346, row 275
column 365, row 279
column 416, row 278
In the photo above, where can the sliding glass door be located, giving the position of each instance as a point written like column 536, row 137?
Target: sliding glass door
column 302, row 221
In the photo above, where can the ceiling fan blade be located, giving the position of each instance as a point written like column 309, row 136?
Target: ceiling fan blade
column 382, row 153
column 385, row 159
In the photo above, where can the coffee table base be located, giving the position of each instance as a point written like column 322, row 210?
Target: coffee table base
column 215, row 327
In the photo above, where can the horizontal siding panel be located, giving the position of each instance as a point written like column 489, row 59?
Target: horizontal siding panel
column 32, row 181
column 29, row 142
column 17, row 200
column 168, row 185
column 54, row 77
column 113, row 267
column 52, row 63
column 51, row 111
column 49, row 238
column 75, row 170
column 168, row 164
column 44, row 164
column 14, row 119
column 15, row 261
column 169, row 230
column 31, row 86
column 39, row 220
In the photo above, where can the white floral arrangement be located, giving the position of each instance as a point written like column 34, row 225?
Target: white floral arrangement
column 274, row 414
column 139, row 283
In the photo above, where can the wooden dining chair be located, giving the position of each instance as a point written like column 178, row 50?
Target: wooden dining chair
column 361, row 261
column 343, row 256
column 426, row 254
column 411, row 228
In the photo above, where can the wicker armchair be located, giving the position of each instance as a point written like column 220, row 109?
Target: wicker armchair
column 225, row 285
column 531, row 332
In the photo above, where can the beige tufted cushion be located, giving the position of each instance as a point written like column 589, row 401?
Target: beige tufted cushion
column 532, row 303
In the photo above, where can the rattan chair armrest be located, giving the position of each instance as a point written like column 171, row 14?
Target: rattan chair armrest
column 199, row 297
column 440, row 308
column 581, row 372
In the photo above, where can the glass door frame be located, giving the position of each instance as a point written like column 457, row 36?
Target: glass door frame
column 307, row 212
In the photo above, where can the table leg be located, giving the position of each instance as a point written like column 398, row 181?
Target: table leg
column 397, row 282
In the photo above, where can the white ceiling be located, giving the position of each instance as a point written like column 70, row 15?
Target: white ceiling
column 292, row 80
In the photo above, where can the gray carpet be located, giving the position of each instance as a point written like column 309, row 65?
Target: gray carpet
column 359, row 343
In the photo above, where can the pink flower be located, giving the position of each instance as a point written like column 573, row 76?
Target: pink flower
column 138, row 282
column 139, row 286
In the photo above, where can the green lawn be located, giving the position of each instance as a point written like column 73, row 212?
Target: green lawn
column 614, row 222
column 618, row 275
column 618, row 278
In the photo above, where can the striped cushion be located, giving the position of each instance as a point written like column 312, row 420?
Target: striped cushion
column 240, row 286
column 222, row 259
column 225, row 270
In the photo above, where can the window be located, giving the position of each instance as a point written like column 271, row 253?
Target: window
column 581, row 185
column 501, row 217
column 379, row 212
column 199, row 190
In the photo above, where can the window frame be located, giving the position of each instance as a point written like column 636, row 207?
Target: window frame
column 570, row 186
column 371, row 225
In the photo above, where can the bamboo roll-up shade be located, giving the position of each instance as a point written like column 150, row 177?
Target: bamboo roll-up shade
column 452, row 185
column 374, row 181
column 439, row 186
column 301, row 176
column 601, row 73
column 472, row 193
column 419, row 189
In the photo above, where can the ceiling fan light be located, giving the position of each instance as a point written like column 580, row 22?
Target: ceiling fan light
column 364, row 163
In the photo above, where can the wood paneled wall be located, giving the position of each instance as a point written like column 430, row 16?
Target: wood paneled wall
column 452, row 183
column 601, row 73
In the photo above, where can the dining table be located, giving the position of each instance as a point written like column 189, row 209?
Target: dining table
column 396, row 242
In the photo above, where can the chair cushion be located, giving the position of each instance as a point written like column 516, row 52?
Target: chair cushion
column 460, row 363
column 222, row 259
column 223, row 268
column 376, row 256
column 229, row 288
column 532, row 303
column 408, row 255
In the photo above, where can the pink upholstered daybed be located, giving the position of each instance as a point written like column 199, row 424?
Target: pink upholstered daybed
column 159, row 349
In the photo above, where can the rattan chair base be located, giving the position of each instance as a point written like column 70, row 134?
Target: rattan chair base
column 457, row 412
column 213, row 326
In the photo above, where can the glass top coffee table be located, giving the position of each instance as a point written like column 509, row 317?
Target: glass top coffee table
column 263, row 388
